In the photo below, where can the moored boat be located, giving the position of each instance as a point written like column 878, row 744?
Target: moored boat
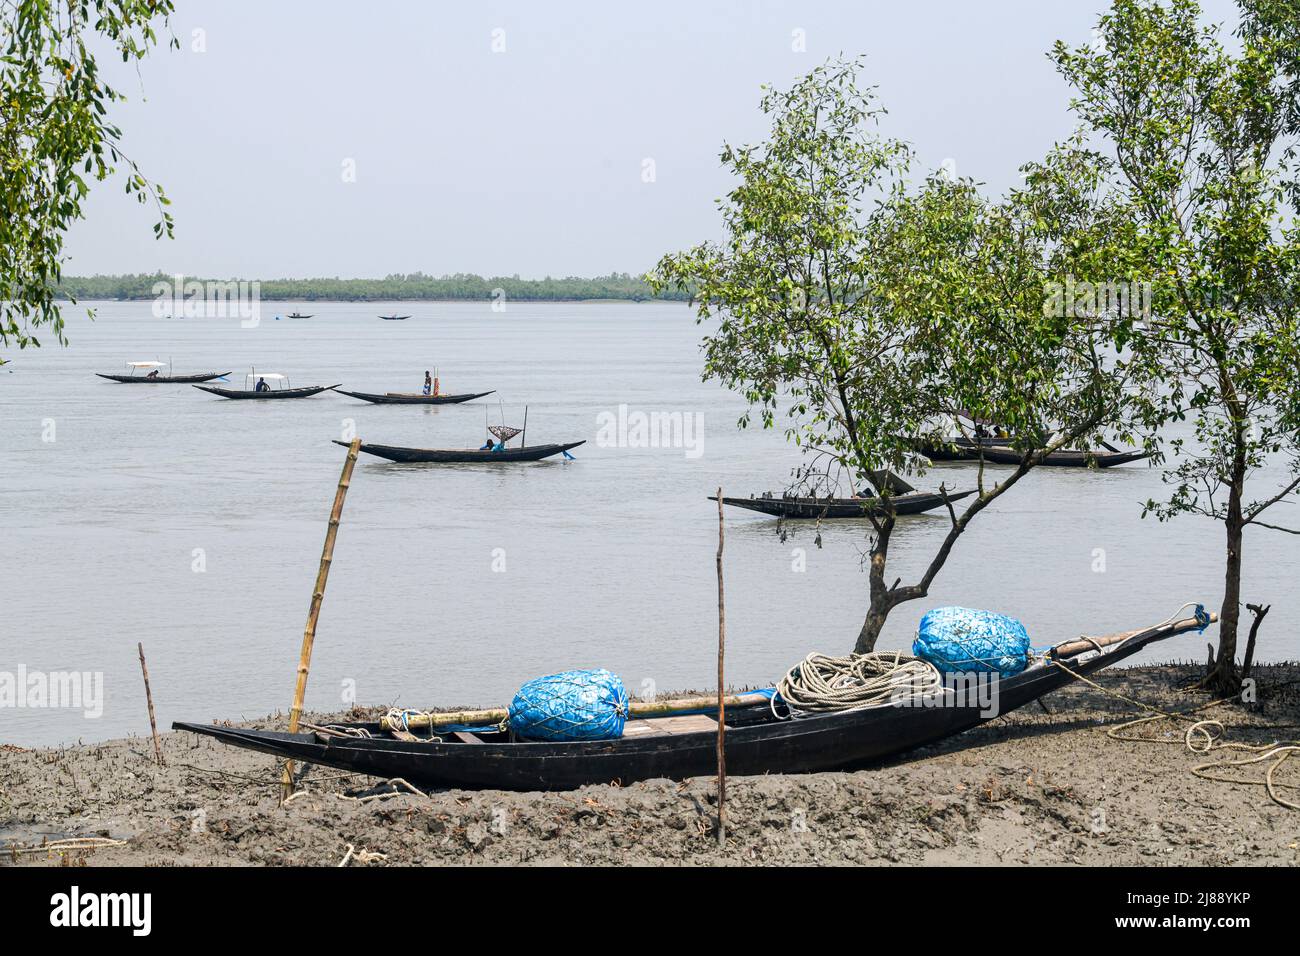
column 966, row 449
column 411, row 398
column 482, row 456
column 153, row 377
column 394, row 318
column 758, row 739
column 790, row 506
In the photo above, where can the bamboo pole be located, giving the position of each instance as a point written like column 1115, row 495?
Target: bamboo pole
column 148, row 696
column 1085, row 644
column 638, row 708
column 722, row 707
column 317, row 596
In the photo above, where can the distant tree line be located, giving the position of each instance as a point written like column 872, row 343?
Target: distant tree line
column 618, row 285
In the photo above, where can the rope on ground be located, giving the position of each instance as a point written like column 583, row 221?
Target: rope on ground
column 821, row 684
column 1204, row 736
column 363, row 856
column 69, row 844
column 394, row 783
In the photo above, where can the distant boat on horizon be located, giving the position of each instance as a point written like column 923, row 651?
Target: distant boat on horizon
column 394, row 318
column 298, row 315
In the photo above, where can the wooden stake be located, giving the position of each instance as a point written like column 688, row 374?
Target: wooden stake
column 722, row 706
column 148, row 696
column 313, row 613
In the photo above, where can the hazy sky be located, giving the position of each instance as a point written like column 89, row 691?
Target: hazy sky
column 529, row 160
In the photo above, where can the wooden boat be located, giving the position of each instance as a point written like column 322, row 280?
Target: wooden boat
column 757, row 741
column 394, row 318
column 411, row 398
column 465, row 455
column 794, row 507
column 131, row 378
column 298, row 315
column 281, row 388
column 971, row 449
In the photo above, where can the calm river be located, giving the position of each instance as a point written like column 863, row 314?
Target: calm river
column 194, row 525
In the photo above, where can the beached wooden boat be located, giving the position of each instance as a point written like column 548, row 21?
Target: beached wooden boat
column 757, row 741
column 795, row 507
column 970, row 449
column 465, row 455
column 142, row 373
column 411, row 398
column 394, row 318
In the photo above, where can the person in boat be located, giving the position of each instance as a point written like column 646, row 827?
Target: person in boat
column 428, row 384
column 261, row 386
column 487, row 445
column 153, row 374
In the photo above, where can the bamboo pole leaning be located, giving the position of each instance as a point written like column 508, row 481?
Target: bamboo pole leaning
column 313, row 611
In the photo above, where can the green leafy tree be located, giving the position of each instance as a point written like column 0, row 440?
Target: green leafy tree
column 55, row 137
column 1193, row 163
column 867, row 314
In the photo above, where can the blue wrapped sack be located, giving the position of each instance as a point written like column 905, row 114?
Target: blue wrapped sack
column 969, row 640
column 574, row 705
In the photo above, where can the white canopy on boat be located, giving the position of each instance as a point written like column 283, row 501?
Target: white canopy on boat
column 271, row 375
column 146, row 364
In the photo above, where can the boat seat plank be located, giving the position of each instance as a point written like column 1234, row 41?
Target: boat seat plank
column 466, row 738
column 670, row 726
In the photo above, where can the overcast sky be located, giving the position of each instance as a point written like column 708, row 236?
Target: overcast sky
column 529, row 160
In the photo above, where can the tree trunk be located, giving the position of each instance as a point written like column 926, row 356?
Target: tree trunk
column 881, row 600
column 1223, row 678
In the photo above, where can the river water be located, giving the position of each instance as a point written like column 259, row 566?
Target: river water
column 194, row 525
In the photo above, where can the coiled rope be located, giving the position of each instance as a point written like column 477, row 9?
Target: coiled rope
column 821, row 684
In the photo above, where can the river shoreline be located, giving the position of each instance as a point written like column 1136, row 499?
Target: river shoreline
column 1032, row 787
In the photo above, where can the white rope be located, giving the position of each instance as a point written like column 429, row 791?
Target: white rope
column 820, row 684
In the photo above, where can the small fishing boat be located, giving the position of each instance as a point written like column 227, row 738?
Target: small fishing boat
column 411, row 398
column 394, row 318
column 466, row 455
column 788, row 506
column 758, row 739
column 277, row 387
column 298, row 315
column 148, row 378
column 972, row 449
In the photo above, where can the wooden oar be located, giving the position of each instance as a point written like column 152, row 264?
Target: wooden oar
column 638, row 708
column 1086, row 644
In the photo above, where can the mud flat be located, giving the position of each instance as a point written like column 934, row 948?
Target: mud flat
column 1031, row 787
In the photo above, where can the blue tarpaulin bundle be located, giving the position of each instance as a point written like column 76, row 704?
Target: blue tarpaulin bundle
column 574, row 705
column 970, row 640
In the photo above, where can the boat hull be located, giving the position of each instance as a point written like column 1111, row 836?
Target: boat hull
column 272, row 395
column 830, row 742
column 162, row 379
column 399, row 399
column 842, row 508
column 464, row 455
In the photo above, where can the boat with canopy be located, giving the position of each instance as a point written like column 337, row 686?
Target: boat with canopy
column 277, row 387
column 142, row 373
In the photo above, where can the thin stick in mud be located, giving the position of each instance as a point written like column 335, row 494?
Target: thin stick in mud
column 722, row 704
column 148, row 696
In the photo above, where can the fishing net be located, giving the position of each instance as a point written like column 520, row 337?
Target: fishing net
column 962, row 639
column 504, row 432
column 574, row 705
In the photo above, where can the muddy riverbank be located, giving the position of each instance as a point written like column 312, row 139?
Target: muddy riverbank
column 1031, row 787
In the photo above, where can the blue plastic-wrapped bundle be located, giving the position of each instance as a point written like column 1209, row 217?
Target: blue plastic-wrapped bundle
column 575, row 705
column 969, row 640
